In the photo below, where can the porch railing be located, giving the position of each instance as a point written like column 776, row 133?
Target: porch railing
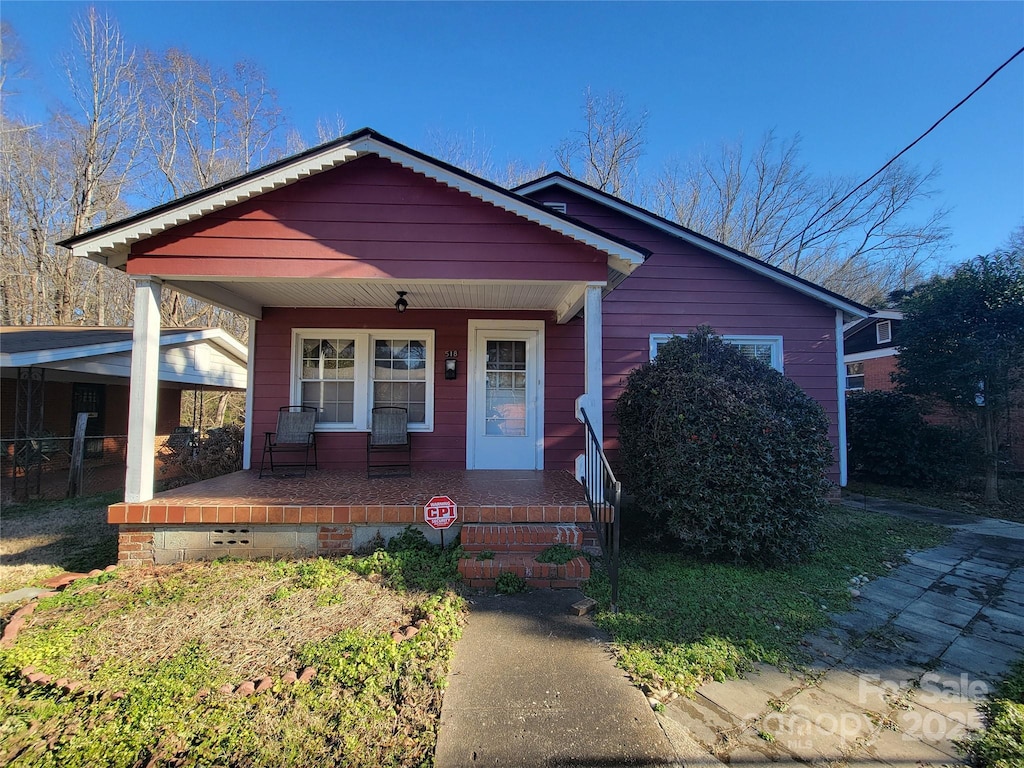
column 604, row 495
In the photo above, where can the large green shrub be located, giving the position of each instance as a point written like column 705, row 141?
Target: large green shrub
column 890, row 442
column 722, row 453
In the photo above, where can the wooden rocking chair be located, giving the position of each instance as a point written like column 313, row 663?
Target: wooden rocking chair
column 388, row 444
column 294, row 435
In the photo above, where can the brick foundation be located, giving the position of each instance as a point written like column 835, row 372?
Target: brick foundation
column 135, row 545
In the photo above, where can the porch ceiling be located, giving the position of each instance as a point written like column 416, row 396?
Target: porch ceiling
column 250, row 296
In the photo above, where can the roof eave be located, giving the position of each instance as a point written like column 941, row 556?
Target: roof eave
column 557, row 179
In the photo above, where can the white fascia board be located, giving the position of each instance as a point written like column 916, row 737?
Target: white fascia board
column 708, row 245
column 621, row 257
column 882, row 314
column 874, row 354
column 43, row 356
column 111, row 247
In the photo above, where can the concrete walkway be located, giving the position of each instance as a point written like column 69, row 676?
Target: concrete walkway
column 533, row 686
column 895, row 681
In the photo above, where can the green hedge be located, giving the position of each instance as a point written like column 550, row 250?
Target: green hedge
column 890, row 442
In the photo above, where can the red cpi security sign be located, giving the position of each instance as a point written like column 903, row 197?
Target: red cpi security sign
column 440, row 512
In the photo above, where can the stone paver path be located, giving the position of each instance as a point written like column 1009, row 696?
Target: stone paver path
column 893, row 682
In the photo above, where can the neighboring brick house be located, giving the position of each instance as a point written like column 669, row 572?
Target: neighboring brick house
column 869, row 346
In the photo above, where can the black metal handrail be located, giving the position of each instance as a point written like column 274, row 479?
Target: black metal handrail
column 604, row 496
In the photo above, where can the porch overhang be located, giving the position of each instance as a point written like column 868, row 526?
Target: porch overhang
column 249, row 296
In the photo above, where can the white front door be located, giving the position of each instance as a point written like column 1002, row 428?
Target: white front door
column 505, row 414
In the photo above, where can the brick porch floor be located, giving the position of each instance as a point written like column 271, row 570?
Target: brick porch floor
column 329, row 496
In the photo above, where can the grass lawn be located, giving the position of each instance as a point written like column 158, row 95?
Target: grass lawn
column 683, row 622
column 40, row 539
column 1010, row 507
column 153, row 647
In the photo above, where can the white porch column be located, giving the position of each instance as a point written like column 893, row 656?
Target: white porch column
column 249, row 379
column 593, row 340
column 592, row 398
column 144, row 385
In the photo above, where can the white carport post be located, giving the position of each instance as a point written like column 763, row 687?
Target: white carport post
column 593, row 380
column 144, row 386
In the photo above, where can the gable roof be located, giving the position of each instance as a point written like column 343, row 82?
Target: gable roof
column 806, row 287
column 110, row 244
column 881, row 314
column 89, row 350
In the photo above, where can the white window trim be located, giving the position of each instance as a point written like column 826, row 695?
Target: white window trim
column 885, row 338
column 363, row 376
column 729, row 338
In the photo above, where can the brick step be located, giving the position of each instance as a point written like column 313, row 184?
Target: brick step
column 484, row 573
column 519, row 538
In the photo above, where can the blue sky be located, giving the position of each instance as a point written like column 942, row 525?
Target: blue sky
column 858, row 81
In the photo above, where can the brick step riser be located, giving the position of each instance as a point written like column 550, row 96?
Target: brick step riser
column 519, row 538
column 531, row 583
column 484, row 573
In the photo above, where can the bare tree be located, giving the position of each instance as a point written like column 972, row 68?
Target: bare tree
column 63, row 177
column 102, row 141
column 767, row 203
column 606, row 152
column 473, row 154
column 202, row 125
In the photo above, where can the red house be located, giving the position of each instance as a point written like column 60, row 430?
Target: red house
column 542, row 299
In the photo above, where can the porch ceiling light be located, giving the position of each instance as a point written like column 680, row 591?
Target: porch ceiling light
column 401, row 305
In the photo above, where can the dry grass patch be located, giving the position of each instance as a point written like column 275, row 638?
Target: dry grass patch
column 168, row 637
column 251, row 617
column 41, row 539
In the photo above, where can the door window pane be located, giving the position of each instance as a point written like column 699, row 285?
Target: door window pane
column 505, row 389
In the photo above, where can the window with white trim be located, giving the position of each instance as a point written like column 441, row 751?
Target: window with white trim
column 344, row 374
column 767, row 349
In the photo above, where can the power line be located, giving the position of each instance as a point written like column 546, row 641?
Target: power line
column 902, row 152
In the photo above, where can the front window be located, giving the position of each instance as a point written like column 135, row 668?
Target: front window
column 767, row 349
column 344, row 374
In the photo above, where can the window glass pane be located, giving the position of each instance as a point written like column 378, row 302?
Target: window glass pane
column 396, row 362
column 334, row 401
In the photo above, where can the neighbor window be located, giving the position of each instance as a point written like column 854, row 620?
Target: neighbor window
column 855, row 376
column 344, row 374
column 767, row 349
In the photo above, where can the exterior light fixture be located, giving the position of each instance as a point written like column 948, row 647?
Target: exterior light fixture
column 449, row 367
column 401, row 305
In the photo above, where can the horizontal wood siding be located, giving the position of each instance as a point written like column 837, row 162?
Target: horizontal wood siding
column 369, row 218
column 681, row 287
column 445, row 446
